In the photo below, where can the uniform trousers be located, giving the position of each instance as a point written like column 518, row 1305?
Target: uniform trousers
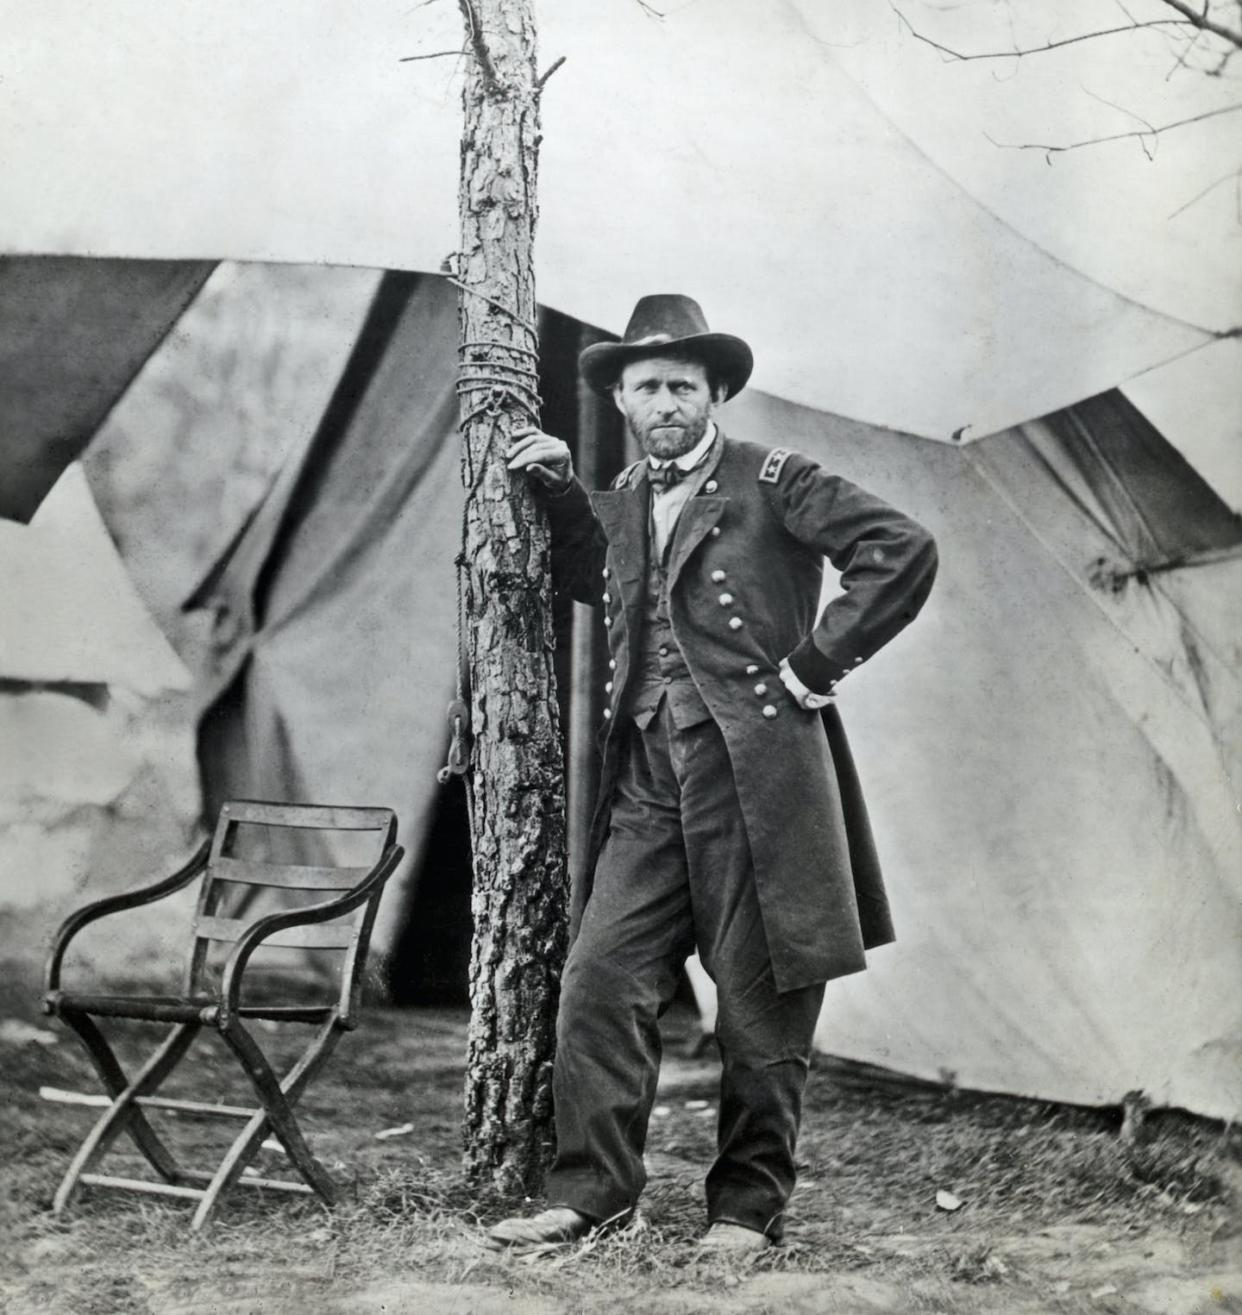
column 674, row 872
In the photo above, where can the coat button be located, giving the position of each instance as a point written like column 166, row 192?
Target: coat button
column 752, row 670
column 608, row 713
column 715, row 531
column 607, row 572
column 718, row 577
column 726, row 600
column 711, row 486
column 769, row 711
column 612, row 664
column 608, row 620
column 761, row 689
column 608, row 687
column 736, row 623
column 663, row 650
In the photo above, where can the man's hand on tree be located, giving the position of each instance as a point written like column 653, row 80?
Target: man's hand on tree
column 543, row 457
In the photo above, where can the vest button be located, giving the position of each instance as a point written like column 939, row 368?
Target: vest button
column 612, row 664
column 608, row 687
column 607, row 596
column 715, row 531
column 752, row 670
column 663, row 650
column 608, row 620
column 726, row 600
column 735, row 623
column 711, row 486
column 761, row 689
column 608, row 714
column 607, row 572
column 718, row 577
column 769, row 711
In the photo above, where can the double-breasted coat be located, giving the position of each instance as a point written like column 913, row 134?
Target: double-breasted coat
column 745, row 570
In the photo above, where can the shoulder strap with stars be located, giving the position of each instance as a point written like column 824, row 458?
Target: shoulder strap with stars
column 773, row 464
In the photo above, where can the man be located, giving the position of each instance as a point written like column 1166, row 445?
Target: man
column 729, row 817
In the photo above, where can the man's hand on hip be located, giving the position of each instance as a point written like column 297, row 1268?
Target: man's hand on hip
column 804, row 697
column 543, row 457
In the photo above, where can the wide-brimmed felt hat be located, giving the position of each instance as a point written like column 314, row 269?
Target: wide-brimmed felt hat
column 668, row 323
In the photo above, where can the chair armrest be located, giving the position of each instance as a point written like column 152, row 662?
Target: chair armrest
column 129, row 899
column 235, row 966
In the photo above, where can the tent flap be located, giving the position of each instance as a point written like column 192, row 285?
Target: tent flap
column 1050, row 792
column 73, row 333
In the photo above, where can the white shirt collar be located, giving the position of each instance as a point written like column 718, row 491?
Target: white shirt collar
column 688, row 460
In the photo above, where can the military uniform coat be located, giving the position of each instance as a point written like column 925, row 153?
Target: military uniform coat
column 744, row 573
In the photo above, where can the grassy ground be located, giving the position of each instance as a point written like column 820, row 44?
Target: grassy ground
column 1058, row 1214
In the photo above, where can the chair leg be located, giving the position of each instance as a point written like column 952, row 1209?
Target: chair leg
column 277, row 1099
column 123, row 1115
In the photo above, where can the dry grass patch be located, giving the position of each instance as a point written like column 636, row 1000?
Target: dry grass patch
column 1050, row 1196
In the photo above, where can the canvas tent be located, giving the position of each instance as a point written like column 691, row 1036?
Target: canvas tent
column 1050, row 765
column 1047, row 758
column 271, row 574
column 1049, row 755
column 79, row 656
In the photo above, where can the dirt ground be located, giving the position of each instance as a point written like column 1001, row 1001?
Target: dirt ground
column 1058, row 1213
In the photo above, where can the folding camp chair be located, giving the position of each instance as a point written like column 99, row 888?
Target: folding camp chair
column 342, row 924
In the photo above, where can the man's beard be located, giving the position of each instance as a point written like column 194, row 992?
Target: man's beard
column 669, row 442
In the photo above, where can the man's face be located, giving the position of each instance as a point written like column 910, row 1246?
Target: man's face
column 666, row 403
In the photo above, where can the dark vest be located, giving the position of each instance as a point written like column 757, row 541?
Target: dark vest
column 661, row 671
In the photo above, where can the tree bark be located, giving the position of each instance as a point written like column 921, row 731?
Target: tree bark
column 516, row 782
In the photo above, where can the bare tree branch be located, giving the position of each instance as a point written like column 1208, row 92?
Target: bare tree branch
column 1184, row 34
column 1130, row 114
column 1233, row 176
column 1019, row 52
column 1199, row 21
column 1204, row 23
column 479, row 45
column 547, row 73
column 1221, row 63
column 1183, row 55
column 1141, row 133
column 435, row 54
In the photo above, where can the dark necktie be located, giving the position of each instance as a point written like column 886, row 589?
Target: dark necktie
column 666, row 476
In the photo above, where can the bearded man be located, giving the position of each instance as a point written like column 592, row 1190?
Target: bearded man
column 730, row 817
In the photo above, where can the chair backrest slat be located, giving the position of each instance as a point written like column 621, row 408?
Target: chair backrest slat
column 313, row 936
column 307, row 816
column 288, row 876
column 290, row 850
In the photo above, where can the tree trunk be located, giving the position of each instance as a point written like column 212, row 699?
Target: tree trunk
column 516, row 785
